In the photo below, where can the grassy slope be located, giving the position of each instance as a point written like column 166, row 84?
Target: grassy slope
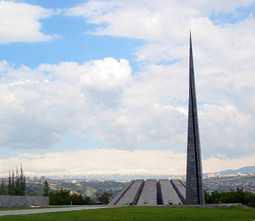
column 145, row 213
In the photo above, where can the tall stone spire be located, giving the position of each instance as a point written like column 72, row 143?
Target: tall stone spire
column 194, row 175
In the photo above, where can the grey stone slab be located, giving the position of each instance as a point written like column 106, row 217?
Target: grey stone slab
column 180, row 189
column 115, row 200
column 48, row 210
column 148, row 195
column 132, row 194
column 169, row 195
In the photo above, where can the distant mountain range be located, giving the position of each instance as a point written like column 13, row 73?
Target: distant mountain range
column 114, row 177
column 243, row 170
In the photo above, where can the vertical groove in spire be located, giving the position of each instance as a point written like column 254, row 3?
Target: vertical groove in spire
column 194, row 182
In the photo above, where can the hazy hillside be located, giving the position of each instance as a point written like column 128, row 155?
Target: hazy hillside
column 243, row 170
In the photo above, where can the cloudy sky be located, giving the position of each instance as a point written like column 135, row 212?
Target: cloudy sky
column 101, row 86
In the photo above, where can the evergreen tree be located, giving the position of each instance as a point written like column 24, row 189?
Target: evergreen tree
column 3, row 189
column 9, row 189
column 22, row 182
column 16, row 184
column 46, row 189
column 17, row 190
column 13, row 184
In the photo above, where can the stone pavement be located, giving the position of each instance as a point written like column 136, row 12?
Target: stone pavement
column 48, row 210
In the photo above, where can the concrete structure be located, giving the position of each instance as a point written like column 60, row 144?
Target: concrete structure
column 132, row 194
column 170, row 196
column 151, row 193
column 148, row 195
column 194, row 181
column 180, row 189
column 7, row 201
column 50, row 210
column 165, row 192
column 121, row 194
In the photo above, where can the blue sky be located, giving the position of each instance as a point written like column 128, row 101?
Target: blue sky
column 72, row 44
column 88, row 81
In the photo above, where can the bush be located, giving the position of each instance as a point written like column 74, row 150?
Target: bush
column 64, row 197
column 238, row 196
column 104, row 198
column 77, row 199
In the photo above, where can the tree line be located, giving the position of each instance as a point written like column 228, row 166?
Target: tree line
column 66, row 197
column 15, row 185
column 238, row 196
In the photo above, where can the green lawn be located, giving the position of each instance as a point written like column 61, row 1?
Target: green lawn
column 145, row 213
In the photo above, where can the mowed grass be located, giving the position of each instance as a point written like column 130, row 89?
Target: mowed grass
column 145, row 213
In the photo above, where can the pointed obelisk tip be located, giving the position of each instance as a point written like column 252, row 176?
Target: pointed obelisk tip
column 190, row 38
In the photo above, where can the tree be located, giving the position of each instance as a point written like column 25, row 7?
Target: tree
column 13, row 183
column 3, row 188
column 88, row 201
column 9, row 189
column 238, row 196
column 64, row 197
column 16, row 184
column 104, row 198
column 46, row 189
column 22, row 182
column 77, row 198
column 60, row 197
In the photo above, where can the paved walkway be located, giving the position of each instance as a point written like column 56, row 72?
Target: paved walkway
column 48, row 210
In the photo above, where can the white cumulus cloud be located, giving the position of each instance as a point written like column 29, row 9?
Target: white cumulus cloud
column 104, row 100
column 101, row 162
column 19, row 22
column 107, row 74
column 224, row 64
column 38, row 106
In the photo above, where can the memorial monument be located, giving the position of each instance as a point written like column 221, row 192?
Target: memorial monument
column 166, row 192
column 194, row 175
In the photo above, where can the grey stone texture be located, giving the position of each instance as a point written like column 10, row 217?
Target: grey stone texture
column 148, row 195
column 120, row 194
column 151, row 193
column 49, row 210
column 194, row 181
column 180, row 189
column 23, row 201
column 132, row 194
column 169, row 195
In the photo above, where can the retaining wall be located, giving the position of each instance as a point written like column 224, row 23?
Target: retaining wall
column 23, row 201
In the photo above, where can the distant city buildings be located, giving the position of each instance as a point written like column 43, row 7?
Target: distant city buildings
column 230, row 182
column 212, row 182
